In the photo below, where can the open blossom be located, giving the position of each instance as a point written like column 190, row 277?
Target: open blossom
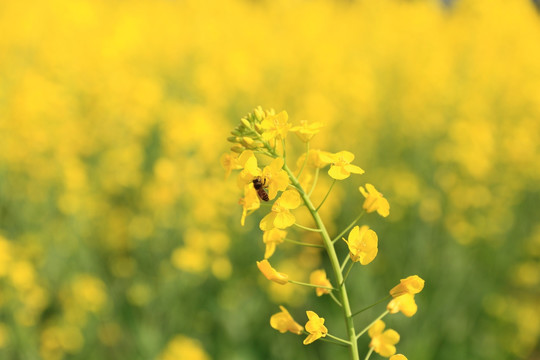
column 374, row 201
column 250, row 169
column 250, row 202
column 272, row 274
column 284, row 322
column 272, row 238
column 318, row 277
column 383, row 342
column 276, row 126
column 341, row 165
column 316, row 158
column 230, row 162
column 404, row 303
column 363, row 244
column 280, row 216
column 398, row 357
column 275, row 178
column 315, row 327
column 306, row 131
column 411, row 285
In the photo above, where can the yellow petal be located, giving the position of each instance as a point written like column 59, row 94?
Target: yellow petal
column 284, row 220
column 354, row 169
column 338, row 172
column 267, row 222
column 290, row 199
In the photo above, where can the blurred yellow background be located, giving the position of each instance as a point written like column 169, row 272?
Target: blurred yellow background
column 121, row 239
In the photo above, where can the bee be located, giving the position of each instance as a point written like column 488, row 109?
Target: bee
column 259, row 185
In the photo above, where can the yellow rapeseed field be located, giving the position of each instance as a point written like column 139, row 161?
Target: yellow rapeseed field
column 121, row 237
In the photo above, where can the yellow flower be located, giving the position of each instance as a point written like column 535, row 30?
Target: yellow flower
column 306, row 131
column 272, row 238
column 316, row 159
column 281, row 217
column 284, row 322
column 411, row 285
column 398, row 357
column 318, row 277
column 383, row 342
column 374, row 201
column 362, row 244
column 248, row 162
column 230, row 162
column 404, row 303
column 276, row 126
column 250, row 202
column 315, row 327
column 272, row 274
column 341, row 165
column 275, row 178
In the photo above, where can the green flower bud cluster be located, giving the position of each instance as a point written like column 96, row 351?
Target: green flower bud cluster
column 246, row 136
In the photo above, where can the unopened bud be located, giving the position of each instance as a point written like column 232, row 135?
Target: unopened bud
column 246, row 123
column 237, row 149
column 233, row 139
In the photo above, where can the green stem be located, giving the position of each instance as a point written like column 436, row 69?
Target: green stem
column 311, row 285
column 326, row 196
column 349, row 227
column 303, row 243
column 331, row 251
column 370, row 325
column 335, row 298
column 345, row 261
column 338, row 339
column 369, row 354
column 307, row 228
column 305, row 161
column 314, row 182
column 347, row 274
column 331, row 341
column 372, row 305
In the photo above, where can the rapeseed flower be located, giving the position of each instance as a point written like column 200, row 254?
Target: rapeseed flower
column 411, row 285
column 316, row 158
column 250, row 202
column 272, row 274
column 276, row 126
column 306, row 131
column 341, row 165
column 398, row 357
column 383, row 342
column 374, row 201
column 362, row 243
column 251, row 170
column 404, row 303
column 272, row 238
column 275, row 178
column 315, row 327
column 230, row 162
column 280, row 216
column 318, row 277
column 283, row 322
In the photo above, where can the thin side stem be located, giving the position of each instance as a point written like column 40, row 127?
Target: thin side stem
column 305, row 161
column 331, row 251
column 311, row 285
column 349, row 227
column 369, row 354
column 373, row 322
column 326, row 196
column 314, row 182
column 347, row 274
column 307, row 228
column 304, row 244
column 345, row 261
column 338, row 339
column 335, row 299
column 372, row 305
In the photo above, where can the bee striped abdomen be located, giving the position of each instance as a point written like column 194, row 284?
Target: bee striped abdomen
column 258, row 184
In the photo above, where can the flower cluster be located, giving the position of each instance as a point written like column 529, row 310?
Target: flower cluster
column 261, row 138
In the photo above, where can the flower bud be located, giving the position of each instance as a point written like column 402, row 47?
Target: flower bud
column 237, row 149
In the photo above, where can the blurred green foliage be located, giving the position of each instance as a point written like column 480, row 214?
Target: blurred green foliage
column 120, row 238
